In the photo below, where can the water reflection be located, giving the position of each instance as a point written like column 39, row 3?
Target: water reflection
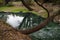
column 21, row 21
column 14, row 20
column 51, row 31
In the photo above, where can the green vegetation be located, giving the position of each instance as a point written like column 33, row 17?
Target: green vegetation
column 12, row 9
column 18, row 9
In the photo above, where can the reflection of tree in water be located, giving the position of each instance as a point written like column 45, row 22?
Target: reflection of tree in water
column 43, row 24
column 50, row 32
column 14, row 20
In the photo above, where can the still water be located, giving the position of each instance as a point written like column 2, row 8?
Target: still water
column 14, row 21
column 26, row 21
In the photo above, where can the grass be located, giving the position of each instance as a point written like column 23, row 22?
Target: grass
column 12, row 9
column 18, row 9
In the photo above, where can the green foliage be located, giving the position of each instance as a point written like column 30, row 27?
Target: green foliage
column 12, row 9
